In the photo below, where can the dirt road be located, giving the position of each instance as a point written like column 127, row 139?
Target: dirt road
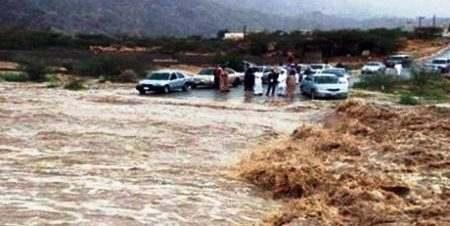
column 110, row 157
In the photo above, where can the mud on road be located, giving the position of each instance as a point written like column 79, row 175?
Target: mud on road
column 110, row 157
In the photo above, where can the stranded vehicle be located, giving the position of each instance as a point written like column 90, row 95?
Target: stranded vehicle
column 440, row 65
column 403, row 59
column 373, row 68
column 206, row 77
column 324, row 85
column 164, row 81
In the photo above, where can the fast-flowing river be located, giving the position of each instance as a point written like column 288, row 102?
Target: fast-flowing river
column 110, row 157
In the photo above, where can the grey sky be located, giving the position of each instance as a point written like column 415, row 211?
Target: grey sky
column 401, row 8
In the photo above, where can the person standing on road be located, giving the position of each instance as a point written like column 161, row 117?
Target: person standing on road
column 224, row 86
column 249, row 80
column 273, row 82
column 291, row 84
column 398, row 68
column 217, row 72
column 281, row 85
column 258, row 89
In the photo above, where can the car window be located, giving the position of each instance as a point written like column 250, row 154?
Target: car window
column 334, row 72
column 180, row 75
column 206, row 71
column 439, row 62
column 326, row 79
column 229, row 71
column 373, row 64
column 260, row 69
column 308, row 78
column 173, row 76
column 158, row 76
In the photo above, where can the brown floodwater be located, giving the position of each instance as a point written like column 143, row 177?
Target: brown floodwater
column 110, row 157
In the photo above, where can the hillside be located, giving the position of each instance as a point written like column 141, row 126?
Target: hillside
column 184, row 17
column 137, row 17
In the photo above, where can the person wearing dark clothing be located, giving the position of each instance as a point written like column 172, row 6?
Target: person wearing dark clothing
column 217, row 73
column 249, row 80
column 308, row 71
column 272, row 83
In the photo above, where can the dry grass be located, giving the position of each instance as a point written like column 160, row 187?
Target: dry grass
column 8, row 66
column 422, row 48
column 367, row 165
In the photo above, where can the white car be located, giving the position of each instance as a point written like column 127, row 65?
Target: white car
column 373, row 67
column 441, row 65
column 318, row 68
column 341, row 73
column 164, row 81
column 206, row 77
column 324, row 85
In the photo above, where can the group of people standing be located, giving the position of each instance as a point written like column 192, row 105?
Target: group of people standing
column 282, row 81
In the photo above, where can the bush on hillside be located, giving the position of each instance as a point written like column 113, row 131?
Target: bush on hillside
column 377, row 82
column 127, row 76
column 408, row 99
column 36, row 70
column 75, row 85
column 232, row 61
column 13, row 77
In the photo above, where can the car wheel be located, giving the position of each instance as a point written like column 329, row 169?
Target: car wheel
column 302, row 91
column 236, row 82
column 187, row 87
column 166, row 89
column 141, row 92
column 313, row 94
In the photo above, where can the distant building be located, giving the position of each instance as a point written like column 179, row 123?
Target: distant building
column 234, row 36
column 446, row 32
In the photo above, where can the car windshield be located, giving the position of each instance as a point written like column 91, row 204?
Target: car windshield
column 159, row 76
column 338, row 73
column 326, row 79
column 206, row 71
column 259, row 69
column 373, row 64
column 439, row 62
column 315, row 67
column 398, row 58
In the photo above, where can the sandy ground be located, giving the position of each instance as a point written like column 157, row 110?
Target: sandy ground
column 110, row 157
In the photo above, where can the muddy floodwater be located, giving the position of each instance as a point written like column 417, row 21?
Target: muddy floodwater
column 110, row 157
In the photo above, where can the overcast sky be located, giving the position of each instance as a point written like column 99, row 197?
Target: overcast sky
column 402, row 8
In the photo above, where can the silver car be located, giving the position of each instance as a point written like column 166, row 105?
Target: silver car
column 324, row 85
column 164, row 81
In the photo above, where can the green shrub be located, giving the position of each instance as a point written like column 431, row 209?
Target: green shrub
column 75, row 85
column 232, row 61
column 13, row 77
column 378, row 82
column 97, row 66
column 127, row 76
column 431, row 86
column 36, row 71
column 408, row 99
column 52, row 85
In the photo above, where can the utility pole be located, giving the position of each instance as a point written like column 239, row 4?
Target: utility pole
column 421, row 18
column 244, row 30
column 434, row 21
